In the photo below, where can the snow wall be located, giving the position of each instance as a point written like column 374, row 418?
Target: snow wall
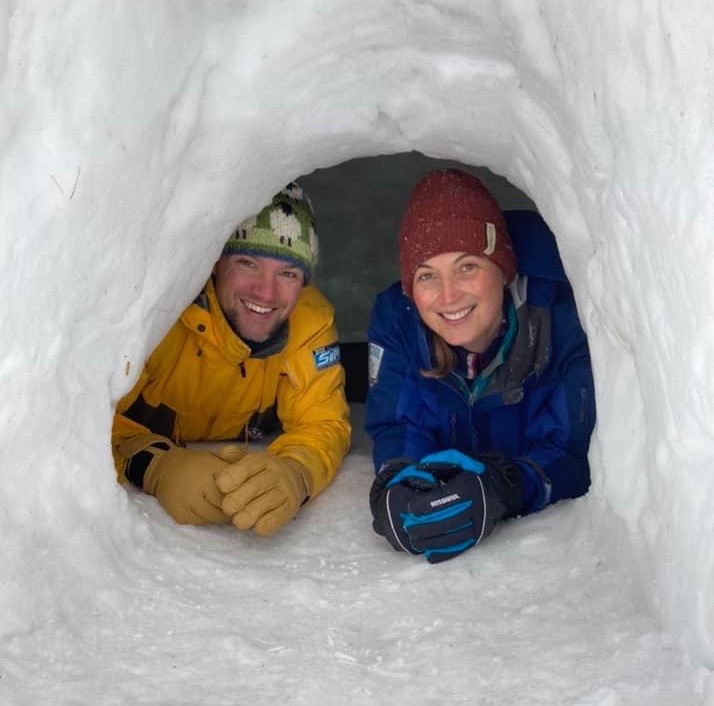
column 135, row 136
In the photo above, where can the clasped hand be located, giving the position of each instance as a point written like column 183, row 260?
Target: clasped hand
column 439, row 507
column 263, row 491
column 252, row 490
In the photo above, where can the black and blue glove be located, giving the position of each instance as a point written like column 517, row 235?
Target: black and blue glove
column 455, row 516
column 446, row 503
column 397, row 483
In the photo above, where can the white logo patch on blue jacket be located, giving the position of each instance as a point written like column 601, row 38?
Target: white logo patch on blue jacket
column 375, row 362
column 327, row 356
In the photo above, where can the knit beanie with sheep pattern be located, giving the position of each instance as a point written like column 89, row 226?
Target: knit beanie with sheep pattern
column 284, row 229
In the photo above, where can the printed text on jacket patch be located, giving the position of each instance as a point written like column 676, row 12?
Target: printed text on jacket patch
column 327, row 356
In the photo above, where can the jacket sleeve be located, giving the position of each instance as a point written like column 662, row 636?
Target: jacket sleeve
column 122, row 427
column 559, row 430
column 393, row 402
column 153, row 421
column 313, row 409
column 161, row 420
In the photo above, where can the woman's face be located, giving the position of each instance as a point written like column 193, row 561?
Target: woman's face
column 460, row 297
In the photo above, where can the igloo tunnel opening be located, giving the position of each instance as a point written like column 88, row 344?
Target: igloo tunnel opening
column 131, row 151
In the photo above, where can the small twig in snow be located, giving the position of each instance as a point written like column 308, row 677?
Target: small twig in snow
column 76, row 181
column 52, row 176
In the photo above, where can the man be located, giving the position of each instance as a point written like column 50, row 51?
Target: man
column 259, row 340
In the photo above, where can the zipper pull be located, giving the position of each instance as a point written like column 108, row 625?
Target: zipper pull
column 241, row 366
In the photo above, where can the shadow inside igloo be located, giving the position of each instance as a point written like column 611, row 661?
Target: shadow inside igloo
column 358, row 205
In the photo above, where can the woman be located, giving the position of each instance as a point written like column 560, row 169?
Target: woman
column 481, row 401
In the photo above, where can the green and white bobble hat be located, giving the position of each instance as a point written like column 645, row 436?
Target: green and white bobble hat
column 284, row 229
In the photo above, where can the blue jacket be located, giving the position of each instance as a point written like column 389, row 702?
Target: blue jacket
column 536, row 407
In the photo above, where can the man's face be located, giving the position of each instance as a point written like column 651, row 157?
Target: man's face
column 257, row 294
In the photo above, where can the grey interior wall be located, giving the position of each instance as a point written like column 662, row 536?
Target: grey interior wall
column 358, row 205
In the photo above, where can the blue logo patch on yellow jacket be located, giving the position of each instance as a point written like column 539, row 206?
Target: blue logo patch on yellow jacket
column 327, row 356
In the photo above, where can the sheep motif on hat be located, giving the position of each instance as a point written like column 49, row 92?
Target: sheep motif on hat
column 284, row 229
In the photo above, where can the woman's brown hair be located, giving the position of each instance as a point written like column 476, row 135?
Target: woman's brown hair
column 443, row 357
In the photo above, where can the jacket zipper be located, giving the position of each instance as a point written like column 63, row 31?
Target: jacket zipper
column 452, row 422
column 453, row 417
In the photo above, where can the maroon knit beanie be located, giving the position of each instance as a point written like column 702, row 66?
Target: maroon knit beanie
column 451, row 211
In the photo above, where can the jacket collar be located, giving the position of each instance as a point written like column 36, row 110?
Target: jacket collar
column 206, row 317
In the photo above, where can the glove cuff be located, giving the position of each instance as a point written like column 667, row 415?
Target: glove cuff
column 303, row 476
column 537, row 485
column 509, row 484
column 512, row 494
column 140, row 451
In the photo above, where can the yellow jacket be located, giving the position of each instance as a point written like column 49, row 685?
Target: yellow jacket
column 200, row 384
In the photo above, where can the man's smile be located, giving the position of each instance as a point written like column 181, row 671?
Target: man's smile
column 256, row 308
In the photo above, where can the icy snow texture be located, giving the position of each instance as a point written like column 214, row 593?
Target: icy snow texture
column 135, row 135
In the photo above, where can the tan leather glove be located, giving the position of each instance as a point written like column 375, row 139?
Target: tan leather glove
column 232, row 452
column 264, row 491
column 183, row 480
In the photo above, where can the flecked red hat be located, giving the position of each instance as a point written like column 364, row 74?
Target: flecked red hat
column 452, row 211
